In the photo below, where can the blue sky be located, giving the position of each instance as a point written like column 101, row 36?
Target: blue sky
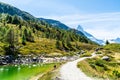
column 98, row 17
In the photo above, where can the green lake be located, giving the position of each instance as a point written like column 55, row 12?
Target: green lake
column 23, row 72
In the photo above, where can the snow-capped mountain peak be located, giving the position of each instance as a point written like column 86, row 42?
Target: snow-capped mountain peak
column 79, row 28
column 91, row 37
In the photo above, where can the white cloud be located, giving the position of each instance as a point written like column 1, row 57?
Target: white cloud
column 102, row 26
column 103, row 34
column 80, row 18
column 43, row 7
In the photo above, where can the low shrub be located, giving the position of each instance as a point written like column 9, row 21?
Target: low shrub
column 116, row 73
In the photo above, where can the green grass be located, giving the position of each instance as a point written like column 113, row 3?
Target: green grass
column 2, row 52
column 113, row 47
column 41, row 46
column 87, row 53
column 98, row 68
column 51, row 74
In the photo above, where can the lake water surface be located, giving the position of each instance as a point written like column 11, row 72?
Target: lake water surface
column 23, row 72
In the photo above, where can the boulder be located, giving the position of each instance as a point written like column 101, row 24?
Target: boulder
column 105, row 58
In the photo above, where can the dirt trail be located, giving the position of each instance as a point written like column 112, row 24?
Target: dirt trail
column 69, row 71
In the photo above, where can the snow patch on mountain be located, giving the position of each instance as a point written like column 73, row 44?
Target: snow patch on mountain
column 117, row 40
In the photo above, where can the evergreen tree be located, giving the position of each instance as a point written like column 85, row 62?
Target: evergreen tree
column 9, row 19
column 59, row 45
column 23, row 40
column 12, row 40
column 28, row 35
column 107, row 42
column 3, row 31
column 16, row 20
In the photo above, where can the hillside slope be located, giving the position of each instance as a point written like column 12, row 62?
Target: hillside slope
column 55, row 23
column 21, row 35
column 105, row 66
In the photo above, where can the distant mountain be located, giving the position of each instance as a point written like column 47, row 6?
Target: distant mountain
column 8, row 9
column 117, row 40
column 60, row 25
column 88, row 35
column 55, row 23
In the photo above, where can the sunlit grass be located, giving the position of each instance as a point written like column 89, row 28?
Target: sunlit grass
column 98, row 68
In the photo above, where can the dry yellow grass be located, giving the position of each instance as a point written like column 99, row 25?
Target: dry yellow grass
column 41, row 46
column 117, row 56
column 87, row 69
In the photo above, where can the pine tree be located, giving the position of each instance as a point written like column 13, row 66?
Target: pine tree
column 107, row 42
column 23, row 40
column 16, row 20
column 59, row 45
column 28, row 35
column 9, row 19
column 12, row 40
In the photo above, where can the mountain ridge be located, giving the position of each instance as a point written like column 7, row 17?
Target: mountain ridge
column 55, row 23
column 6, row 8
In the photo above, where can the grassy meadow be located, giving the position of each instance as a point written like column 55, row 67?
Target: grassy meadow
column 102, row 69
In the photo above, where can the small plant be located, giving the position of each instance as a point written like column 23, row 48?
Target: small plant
column 93, row 66
column 99, row 63
column 98, row 53
column 116, row 73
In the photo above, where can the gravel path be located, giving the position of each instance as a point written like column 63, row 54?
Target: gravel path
column 69, row 71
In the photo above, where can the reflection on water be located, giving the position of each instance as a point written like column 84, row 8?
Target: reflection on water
column 22, row 72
